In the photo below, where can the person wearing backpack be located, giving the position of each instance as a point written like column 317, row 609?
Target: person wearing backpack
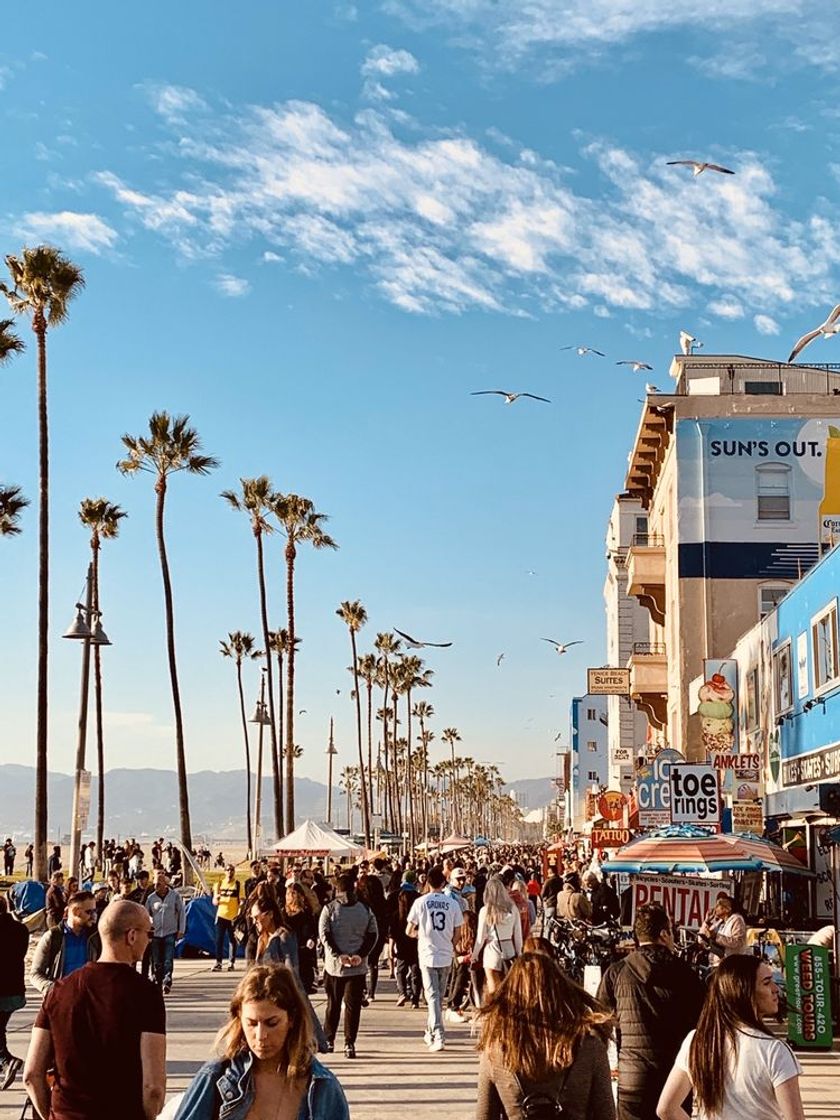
column 498, row 939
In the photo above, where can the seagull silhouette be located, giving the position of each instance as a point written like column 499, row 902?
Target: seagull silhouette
column 636, row 365
column 413, row 643
column 582, row 351
column 303, row 712
column 699, row 166
column 561, row 647
column 499, row 660
column 559, row 735
column 509, row 397
column 651, row 388
column 827, row 329
column 688, row 343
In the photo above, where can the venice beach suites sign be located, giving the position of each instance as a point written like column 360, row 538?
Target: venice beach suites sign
column 818, row 766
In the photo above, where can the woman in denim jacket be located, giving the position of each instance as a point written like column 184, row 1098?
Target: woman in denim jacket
column 266, row 1064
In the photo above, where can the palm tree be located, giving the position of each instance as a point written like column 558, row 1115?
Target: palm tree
column 240, row 646
column 387, row 646
column 12, row 504
column 366, row 669
column 280, row 645
column 355, row 616
column 413, row 676
column 255, row 500
column 44, row 282
column 451, row 736
column 301, row 524
column 423, row 710
column 347, row 782
column 170, row 447
column 103, row 519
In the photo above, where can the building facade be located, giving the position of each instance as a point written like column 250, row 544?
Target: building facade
column 589, row 754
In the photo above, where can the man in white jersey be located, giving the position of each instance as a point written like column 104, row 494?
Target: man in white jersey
column 433, row 920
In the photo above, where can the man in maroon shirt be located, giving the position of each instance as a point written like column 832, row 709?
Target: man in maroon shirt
column 103, row 1030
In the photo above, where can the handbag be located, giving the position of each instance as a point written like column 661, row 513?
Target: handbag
column 541, row 1104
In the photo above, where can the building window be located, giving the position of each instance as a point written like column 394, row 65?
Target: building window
column 783, row 678
column 773, row 492
column 763, row 388
column 824, row 645
column 641, row 534
column 769, row 598
column 591, row 745
column 593, row 776
column 752, row 698
column 591, row 714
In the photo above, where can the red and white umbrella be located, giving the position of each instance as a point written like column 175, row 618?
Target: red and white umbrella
column 689, row 848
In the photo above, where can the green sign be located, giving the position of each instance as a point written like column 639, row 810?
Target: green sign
column 808, row 996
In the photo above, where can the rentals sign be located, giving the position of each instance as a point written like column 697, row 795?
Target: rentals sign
column 687, row 901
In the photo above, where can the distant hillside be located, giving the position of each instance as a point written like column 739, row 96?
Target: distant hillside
column 145, row 802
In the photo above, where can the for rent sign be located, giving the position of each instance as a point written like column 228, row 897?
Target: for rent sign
column 688, row 901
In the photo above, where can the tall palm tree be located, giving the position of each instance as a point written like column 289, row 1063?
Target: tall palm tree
column 451, row 736
column 347, row 782
column 103, row 519
column 387, row 646
column 12, row 504
column 300, row 524
column 355, row 616
column 170, row 447
column 239, row 646
column 423, row 710
column 366, row 669
column 43, row 284
column 255, row 501
column 280, row 645
column 413, row 676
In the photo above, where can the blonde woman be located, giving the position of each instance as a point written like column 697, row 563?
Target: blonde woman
column 498, row 939
column 266, row 1065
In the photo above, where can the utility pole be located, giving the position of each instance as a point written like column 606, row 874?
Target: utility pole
column 331, row 753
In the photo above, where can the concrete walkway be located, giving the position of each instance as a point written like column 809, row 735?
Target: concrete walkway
column 394, row 1074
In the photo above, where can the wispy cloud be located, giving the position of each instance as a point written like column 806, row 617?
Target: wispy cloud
column 6, row 75
column 385, row 62
column 442, row 224
column 171, row 101
column 765, row 324
column 87, row 232
column 232, row 286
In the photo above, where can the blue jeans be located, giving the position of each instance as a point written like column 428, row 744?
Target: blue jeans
column 163, row 958
column 224, row 928
column 434, row 988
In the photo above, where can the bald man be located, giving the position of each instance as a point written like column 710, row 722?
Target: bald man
column 103, row 1029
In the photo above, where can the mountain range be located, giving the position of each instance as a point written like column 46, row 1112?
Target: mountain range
column 145, row 802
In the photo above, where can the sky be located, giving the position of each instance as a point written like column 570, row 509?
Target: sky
column 317, row 228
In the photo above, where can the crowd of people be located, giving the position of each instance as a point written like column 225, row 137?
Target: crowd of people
column 464, row 935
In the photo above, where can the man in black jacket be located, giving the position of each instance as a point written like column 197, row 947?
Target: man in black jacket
column 14, row 942
column 657, row 1000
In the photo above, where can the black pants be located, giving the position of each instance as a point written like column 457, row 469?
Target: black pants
column 409, row 983
column 351, row 990
column 225, row 927
column 5, row 1053
column 459, row 985
column 373, row 966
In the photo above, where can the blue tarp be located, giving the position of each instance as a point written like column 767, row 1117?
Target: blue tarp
column 200, row 933
column 28, row 897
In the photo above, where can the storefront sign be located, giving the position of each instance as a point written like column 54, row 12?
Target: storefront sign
column 695, row 795
column 611, row 805
column 653, row 789
column 808, row 996
column 718, row 706
column 610, row 837
column 608, row 682
column 622, row 754
column 687, row 901
column 740, row 774
column 748, row 816
column 806, row 769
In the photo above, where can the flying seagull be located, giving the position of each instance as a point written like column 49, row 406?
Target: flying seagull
column 559, row 735
column 412, row 643
column 637, row 366
column 688, row 343
column 561, row 647
column 530, row 572
column 827, row 329
column 499, row 660
column 509, row 397
column 584, row 350
column 699, row 166
column 651, row 388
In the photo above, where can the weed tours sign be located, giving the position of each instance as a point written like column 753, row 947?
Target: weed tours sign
column 808, row 996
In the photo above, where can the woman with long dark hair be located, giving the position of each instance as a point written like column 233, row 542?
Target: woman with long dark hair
column 301, row 921
column 734, row 1066
column 543, row 1044
column 265, row 1064
column 409, row 984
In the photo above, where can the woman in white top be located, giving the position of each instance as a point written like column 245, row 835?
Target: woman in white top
column 733, row 1065
column 499, row 934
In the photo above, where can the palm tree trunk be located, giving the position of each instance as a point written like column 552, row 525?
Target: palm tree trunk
column 281, row 723
column 370, row 738
column 180, row 754
column 389, row 808
column 247, row 759
column 409, row 780
column 39, row 326
column 362, row 782
column 97, row 696
column 290, row 688
column 276, row 767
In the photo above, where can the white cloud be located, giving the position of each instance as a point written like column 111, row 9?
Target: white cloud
column 271, row 258
column 233, row 286
column 764, row 324
column 6, row 74
column 172, row 102
column 443, row 223
column 38, row 56
column 385, row 62
column 87, row 232
column 727, row 308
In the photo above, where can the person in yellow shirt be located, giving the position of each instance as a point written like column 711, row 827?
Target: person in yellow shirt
column 227, row 898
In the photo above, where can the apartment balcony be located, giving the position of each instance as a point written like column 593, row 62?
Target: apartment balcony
column 646, row 574
column 648, row 667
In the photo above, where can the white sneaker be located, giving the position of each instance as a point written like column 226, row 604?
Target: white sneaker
column 427, row 1038
column 451, row 1015
column 437, row 1045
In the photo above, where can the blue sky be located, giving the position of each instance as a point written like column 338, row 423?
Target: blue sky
column 316, row 228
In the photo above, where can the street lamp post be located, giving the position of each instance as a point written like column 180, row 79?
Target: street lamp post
column 262, row 718
column 331, row 753
column 80, row 630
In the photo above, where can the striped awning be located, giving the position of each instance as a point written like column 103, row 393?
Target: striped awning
column 689, row 848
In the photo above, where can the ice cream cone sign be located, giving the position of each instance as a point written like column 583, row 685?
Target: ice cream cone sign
column 829, row 510
column 717, row 714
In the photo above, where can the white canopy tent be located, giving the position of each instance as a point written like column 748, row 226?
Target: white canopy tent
column 312, row 839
